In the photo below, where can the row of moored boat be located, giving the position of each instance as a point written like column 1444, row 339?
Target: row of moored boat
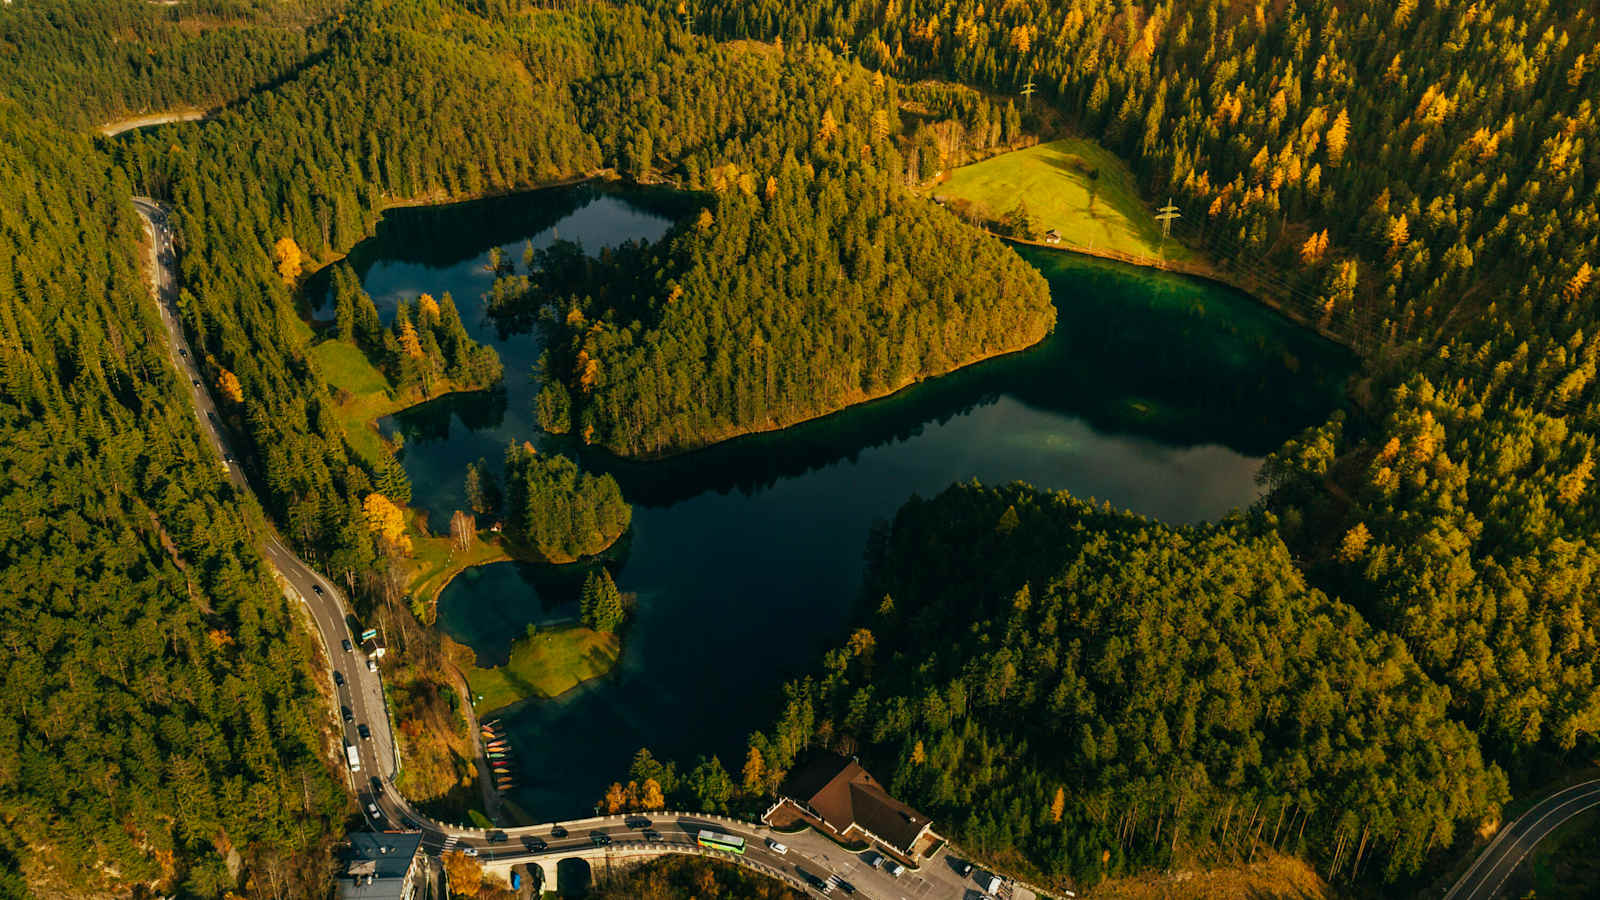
column 497, row 749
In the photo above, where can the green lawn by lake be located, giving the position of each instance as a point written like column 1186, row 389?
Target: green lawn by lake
column 1072, row 185
column 546, row 665
column 363, row 392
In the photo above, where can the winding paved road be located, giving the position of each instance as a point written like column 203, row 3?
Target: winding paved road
column 810, row 859
column 1515, row 841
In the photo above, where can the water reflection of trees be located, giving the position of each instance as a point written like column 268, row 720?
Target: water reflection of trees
column 1179, row 379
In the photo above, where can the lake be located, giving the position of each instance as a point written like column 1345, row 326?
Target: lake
column 1158, row 393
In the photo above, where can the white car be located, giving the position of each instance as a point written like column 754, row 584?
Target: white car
column 896, row 869
column 776, row 847
column 470, row 851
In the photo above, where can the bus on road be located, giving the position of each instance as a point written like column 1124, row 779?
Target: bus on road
column 716, row 840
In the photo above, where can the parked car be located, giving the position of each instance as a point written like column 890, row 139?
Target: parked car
column 872, row 858
column 776, row 847
column 372, row 665
column 364, row 731
column 348, row 715
column 964, row 869
column 338, row 677
column 896, row 869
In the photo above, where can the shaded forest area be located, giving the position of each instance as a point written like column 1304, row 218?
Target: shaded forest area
column 1087, row 693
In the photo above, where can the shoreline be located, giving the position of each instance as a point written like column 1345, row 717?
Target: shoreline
column 1194, row 269
column 677, row 452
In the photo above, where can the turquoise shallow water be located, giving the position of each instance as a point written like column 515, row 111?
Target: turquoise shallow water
column 1158, row 393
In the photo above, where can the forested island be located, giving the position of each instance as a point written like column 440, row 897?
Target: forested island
column 1403, row 635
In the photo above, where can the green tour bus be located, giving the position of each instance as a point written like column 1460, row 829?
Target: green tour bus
column 716, row 840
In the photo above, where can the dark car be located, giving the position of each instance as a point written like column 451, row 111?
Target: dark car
column 182, row 352
column 637, row 822
column 599, row 838
column 347, row 645
column 816, row 881
column 196, row 381
column 558, row 832
column 364, row 731
column 845, row 886
column 345, row 711
column 377, row 785
column 211, row 415
column 964, row 869
column 534, row 845
column 650, row 834
column 497, row 837
column 316, row 588
column 338, row 677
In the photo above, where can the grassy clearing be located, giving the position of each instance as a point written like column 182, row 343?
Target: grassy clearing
column 435, row 560
column 1072, row 185
column 548, row 664
column 362, row 392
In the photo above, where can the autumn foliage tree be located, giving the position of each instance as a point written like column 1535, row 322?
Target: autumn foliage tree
column 388, row 523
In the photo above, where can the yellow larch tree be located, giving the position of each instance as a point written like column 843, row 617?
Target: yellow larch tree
column 388, row 522
column 1579, row 280
column 1355, row 542
column 228, row 386
column 755, row 771
column 1337, row 136
column 650, row 796
column 408, row 341
column 829, row 128
column 289, row 259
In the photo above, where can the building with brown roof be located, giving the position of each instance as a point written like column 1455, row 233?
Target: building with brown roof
column 841, row 798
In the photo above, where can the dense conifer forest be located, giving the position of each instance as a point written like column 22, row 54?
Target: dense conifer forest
column 1407, row 629
column 1107, row 694
column 161, row 721
column 558, row 511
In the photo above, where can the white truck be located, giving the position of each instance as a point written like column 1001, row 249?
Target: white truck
column 989, row 881
column 353, row 755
